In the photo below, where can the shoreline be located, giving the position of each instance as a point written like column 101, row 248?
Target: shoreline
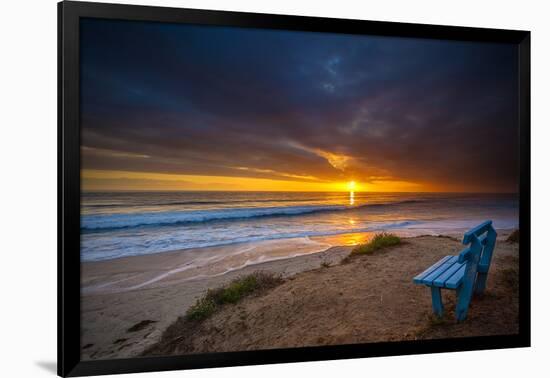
column 178, row 266
column 108, row 316
column 183, row 265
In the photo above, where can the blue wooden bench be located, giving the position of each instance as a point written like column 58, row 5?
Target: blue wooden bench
column 465, row 273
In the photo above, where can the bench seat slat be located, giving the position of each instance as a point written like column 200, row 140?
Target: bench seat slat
column 442, row 279
column 428, row 280
column 419, row 278
column 456, row 279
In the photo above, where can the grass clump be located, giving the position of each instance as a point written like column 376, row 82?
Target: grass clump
column 379, row 241
column 232, row 293
column 514, row 237
column 202, row 309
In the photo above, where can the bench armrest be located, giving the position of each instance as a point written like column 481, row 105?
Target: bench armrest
column 464, row 255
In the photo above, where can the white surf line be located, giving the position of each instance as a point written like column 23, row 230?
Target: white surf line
column 95, row 288
column 202, row 262
column 161, row 276
column 261, row 260
column 183, row 268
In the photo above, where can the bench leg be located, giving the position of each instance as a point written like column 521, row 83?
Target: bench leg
column 463, row 302
column 480, row 283
column 437, row 303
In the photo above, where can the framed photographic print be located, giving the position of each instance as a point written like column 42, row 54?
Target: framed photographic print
column 240, row 188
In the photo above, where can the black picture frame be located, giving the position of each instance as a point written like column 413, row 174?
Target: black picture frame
column 69, row 14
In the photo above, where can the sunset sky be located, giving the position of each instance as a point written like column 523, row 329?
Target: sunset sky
column 179, row 107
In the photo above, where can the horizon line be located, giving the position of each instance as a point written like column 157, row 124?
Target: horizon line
column 286, row 191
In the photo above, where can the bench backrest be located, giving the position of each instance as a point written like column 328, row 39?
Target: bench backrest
column 481, row 240
column 477, row 256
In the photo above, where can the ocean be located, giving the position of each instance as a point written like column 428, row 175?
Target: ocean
column 121, row 224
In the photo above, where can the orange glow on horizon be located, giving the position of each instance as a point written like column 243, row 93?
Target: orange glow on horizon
column 111, row 180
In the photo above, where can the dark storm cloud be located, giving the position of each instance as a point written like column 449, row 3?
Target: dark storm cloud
column 213, row 100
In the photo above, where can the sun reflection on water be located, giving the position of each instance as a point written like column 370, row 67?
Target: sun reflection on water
column 351, row 198
column 350, row 239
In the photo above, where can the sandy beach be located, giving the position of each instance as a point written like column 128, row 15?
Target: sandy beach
column 128, row 303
